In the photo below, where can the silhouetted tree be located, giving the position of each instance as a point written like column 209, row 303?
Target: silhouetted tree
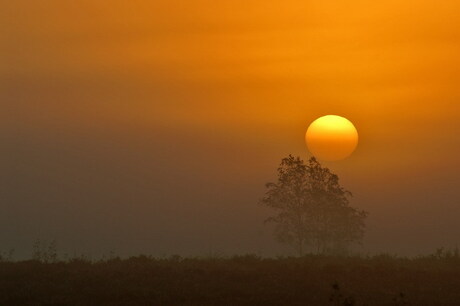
column 312, row 209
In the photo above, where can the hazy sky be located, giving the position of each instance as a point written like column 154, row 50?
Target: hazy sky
column 152, row 126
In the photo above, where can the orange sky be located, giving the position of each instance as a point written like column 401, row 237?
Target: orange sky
column 113, row 93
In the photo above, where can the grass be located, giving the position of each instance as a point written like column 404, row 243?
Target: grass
column 239, row 280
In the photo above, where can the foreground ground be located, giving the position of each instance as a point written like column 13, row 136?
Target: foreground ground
column 243, row 280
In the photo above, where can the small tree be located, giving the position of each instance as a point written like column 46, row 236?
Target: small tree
column 312, row 209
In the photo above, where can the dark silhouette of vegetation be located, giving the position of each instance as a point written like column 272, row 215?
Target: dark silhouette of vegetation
column 312, row 209
column 338, row 299
column 240, row 280
column 400, row 300
column 45, row 252
column 7, row 256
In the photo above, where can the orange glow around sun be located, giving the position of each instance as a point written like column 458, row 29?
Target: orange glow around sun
column 331, row 138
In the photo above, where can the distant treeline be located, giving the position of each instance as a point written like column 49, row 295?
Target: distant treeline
column 237, row 280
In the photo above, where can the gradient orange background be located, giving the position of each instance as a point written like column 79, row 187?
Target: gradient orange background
column 151, row 126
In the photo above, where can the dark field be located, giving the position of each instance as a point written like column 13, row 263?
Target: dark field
column 242, row 280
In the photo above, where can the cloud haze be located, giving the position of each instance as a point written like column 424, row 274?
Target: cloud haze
column 151, row 127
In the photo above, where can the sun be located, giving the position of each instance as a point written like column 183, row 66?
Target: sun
column 331, row 138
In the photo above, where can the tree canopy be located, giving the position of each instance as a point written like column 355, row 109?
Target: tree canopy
column 311, row 208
